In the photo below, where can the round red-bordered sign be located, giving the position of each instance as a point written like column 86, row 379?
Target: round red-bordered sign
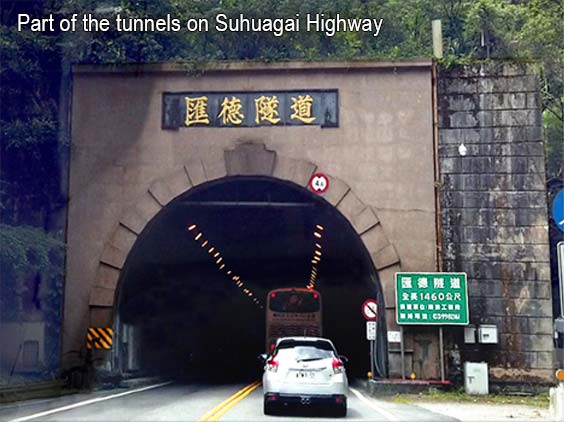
column 370, row 309
column 319, row 183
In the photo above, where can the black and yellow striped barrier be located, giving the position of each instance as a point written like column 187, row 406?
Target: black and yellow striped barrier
column 99, row 338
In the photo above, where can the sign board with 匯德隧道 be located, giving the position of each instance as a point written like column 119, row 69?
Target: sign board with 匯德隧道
column 432, row 299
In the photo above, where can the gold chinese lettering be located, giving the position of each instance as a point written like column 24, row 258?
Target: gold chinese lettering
column 231, row 111
column 196, row 111
column 267, row 109
column 302, row 107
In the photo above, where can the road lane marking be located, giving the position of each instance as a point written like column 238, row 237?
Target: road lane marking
column 389, row 416
column 222, row 408
column 87, row 402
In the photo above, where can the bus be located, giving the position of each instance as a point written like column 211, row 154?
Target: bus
column 292, row 311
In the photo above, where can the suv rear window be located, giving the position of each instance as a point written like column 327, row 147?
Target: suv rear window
column 304, row 353
column 318, row 344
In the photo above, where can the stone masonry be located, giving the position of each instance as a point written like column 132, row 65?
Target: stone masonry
column 494, row 213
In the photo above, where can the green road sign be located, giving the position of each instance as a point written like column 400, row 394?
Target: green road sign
column 431, row 299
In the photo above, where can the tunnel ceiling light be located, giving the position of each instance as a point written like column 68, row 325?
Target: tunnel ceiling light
column 319, row 227
column 219, row 260
column 318, row 246
column 317, row 253
column 318, row 235
column 314, row 262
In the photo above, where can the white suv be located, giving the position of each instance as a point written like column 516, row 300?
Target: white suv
column 304, row 371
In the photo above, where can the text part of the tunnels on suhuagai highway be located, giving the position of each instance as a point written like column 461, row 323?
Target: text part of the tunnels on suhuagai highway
column 192, row 293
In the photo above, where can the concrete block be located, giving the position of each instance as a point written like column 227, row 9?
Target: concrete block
column 458, row 86
column 533, row 100
column 461, row 119
column 196, row 173
column 123, row 238
column 351, row 205
column 336, row 192
column 161, row 193
column 100, row 296
column 521, row 375
column 387, row 281
column 101, row 316
column 365, row 220
column 141, row 213
column 133, row 220
column 178, row 182
column 526, row 83
column 459, row 102
column 375, row 239
column 297, row 171
column 527, row 342
column 503, row 101
column 385, row 257
column 107, row 276
column 214, row 168
column 457, row 136
column 169, row 187
column 113, row 256
column 250, row 159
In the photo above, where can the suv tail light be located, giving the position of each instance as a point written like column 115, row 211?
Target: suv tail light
column 272, row 364
column 338, row 366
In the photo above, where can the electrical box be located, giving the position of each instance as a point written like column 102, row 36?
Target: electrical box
column 487, row 334
column 469, row 334
column 476, row 378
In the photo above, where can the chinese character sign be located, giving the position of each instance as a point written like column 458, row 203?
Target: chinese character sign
column 431, row 298
column 250, row 109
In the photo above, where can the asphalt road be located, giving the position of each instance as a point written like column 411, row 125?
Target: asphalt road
column 176, row 402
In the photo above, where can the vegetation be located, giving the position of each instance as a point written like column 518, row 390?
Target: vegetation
column 459, row 396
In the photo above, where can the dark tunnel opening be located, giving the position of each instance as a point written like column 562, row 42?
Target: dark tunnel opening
column 194, row 287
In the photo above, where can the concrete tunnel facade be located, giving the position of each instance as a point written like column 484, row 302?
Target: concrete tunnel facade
column 125, row 168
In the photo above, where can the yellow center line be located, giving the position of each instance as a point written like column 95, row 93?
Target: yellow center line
column 219, row 410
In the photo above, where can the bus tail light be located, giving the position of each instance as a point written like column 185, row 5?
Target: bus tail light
column 272, row 364
column 338, row 367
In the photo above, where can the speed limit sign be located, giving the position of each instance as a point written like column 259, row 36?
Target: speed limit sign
column 319, row 183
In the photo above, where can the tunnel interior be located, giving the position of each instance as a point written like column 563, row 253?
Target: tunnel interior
column 199, row 316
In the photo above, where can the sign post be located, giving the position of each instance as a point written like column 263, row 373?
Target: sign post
column 560, row 253
column 370, row 313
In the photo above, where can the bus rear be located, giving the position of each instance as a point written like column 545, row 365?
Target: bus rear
column 292, row 312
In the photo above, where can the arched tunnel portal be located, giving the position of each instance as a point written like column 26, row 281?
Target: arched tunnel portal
column 193, row 288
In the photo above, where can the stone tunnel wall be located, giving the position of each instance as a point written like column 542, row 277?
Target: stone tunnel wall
column 494, row 213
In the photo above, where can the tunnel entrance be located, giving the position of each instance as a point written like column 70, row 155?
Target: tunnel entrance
column 193, row 289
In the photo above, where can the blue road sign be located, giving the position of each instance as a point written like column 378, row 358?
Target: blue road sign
column 558, row 210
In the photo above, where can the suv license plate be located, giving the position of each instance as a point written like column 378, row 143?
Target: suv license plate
column 305, row 374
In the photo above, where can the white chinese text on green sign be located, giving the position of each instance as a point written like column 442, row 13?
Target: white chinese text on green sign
column 431, row 298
